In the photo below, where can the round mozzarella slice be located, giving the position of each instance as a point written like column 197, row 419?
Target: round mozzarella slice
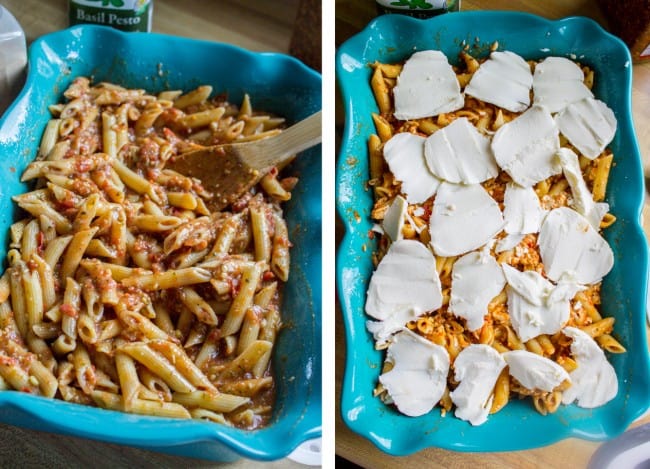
column 459, row 153
column 589, row 125
column 418, row 377
column 467, row 301
column 534, row 371
column 525, row 147
column 476, row 368
column 426, row 86
column 405, row 279
column 535, row 305
column 570, row 246
column 558, row 82
column 464, row 218
column 594, row 381
column 404, row 153
column 504, row 80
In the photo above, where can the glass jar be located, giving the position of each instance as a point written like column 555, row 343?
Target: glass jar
column 418, row 8
column 127, row 15
column 13, row 58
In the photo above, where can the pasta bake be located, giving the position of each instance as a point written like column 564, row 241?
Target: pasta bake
column 489, row 180
column 123, row 289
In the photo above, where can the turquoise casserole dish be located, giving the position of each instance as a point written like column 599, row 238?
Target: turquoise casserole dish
column 392, row 38
column 276, row 83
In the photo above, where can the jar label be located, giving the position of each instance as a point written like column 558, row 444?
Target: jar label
column 414, row 4
column 127, row 15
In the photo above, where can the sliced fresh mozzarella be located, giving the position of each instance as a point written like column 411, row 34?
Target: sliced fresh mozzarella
column 558, row 82
column 459, row 153
column 569, row 245
column 464, row 218
column 582, row 200
column 418, row 377
column 477, row 268
column 476, row 368
column 504, row 80
column 426, row 86
column 404, row 153
column 525, row 147
column 522, row 211
column 593, row 382
column 535, row 305
column 405, row 279
column 534, row 371
column 589, row 125
column 394, row 218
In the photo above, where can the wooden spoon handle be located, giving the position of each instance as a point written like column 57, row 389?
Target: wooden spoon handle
column 301, row 136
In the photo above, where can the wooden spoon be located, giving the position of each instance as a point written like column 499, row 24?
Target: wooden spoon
column 229, row 170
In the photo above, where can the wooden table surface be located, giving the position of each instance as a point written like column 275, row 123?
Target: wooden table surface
column 351, row 16
column 258, row 26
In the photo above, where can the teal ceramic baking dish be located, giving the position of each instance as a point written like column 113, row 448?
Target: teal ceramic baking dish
column 276, row 83
column 393, row 38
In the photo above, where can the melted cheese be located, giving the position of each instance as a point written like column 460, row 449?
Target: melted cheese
column 535, row 305
column 569, row 245
column 582, row 201
column 525, row 147
column 522, row 211
column 418, row 377
column 594, row 381
column 393, row 221
column 534, row 371
column 467, row 301
column 464, row 218
column 426, row 86
column 404, row 285
column 503, row 80
column 558, row 82
column 459, row 153
column 589, row 125
column 476, row 368
column 404, row 153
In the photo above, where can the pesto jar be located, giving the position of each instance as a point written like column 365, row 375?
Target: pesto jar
column 13, row 58
column 418, row 8
column 127, row 15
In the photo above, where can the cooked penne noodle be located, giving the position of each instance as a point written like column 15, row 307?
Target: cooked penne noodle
column 384, row 132
column 380, row 91
column 244, row 299
column 157, row 364
column 196, row 96
column 218, row 402
column 49, row 139
column 113, row 401
column 183, row 364
column 123, row 289
column 75, row 251
column 169, row 279
column 280, row 262
column 128, row 375
column 198, row 306
column 33, row 298
column 70, row 308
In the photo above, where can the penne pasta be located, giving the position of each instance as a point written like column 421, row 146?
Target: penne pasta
column 123, row 289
